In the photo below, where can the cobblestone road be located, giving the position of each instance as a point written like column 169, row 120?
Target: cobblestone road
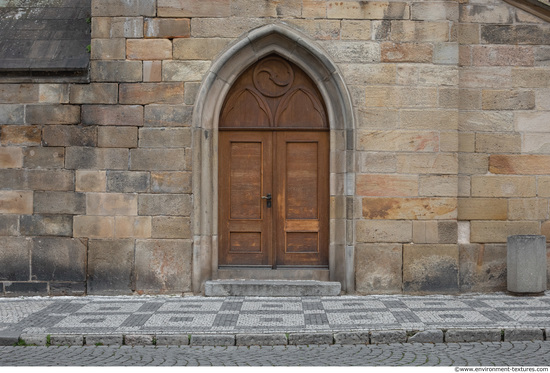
column 410, row 354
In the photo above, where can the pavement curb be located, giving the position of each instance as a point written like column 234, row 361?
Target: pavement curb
column 290, row 338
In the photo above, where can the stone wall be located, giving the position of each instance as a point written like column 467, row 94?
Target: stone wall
column 451, row 145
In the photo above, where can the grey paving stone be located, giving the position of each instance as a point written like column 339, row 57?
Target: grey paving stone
column 261, row 339
column 473, row 335
column 523, row 334
column 310, row 338
column 104, row 340
column 138, row 339
column 172, row 339
column 66, row 340
column 35, row 339
column 427, row 336
column 351, row 338
column 212, row 340
column 388, row 336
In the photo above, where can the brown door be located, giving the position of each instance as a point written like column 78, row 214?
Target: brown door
column 291, row 227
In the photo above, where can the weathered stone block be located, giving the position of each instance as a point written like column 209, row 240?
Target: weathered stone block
column 212, row 340
column 172, row 339
column 384, row 231
column 388, row 336
column 198, row 48
column 190, row 8
column 127, row 181
column 52, row 114
column 165, row 204
column 167, row 28
column 352, row 338
column 184, row 71
column 150, row 93
column 523, row 334
column 532, row 122
column 314, row 9
column 12, row 114
column 157, row 160
column 434, row 12
column 359, row 10
column 46, row 225
column 91, row 181
column 486, row 121
column 66, row 340
column 70, row 135
column 435, row 231
column 406, row 52
column 9, row 225
column 527, row 209
column 430, row 268
column 18, row 93
column 427, row 336
column 531, row 77
column 171, row 227
column 400, row 140
column 438, row 185
column 126, row 8
column 536, row 143
column 111, row 204
column 502, row 55
column 117, row 27
column 498, row 231
column 508, row 99
column 11, row 157
column 472, row 335
column 113, row 115
column 378, row 268
column 543, row 186
column 273, row 339
column 94, row 226
column 503, row 186
column 482, row 209
column 94, row 93
column 164, row 137
column 59, row 259
column 53, row 93
column 61, row 180
column 21, row 135
column 409, row 208
column 473, row 163
column 110, row 267
column 152, row 71
column 103, row 340
column 26, row 288
column 38, row 157
column 15, row 253
column 486, row 14
column 117, row 137
column 353, row 51
column 168, row 116
column 138, row 340
column 16, row 202
column 148, row 49
column 310, row 338
column 379, row 96
column 410, row 31
column 485, row 77
column 377, row 185
column 171, row 182
column 514, row 34
column 427, row 75
column 369, row 74
column 116, row 71
column 163, row 266
column 498, row 142
column 108, row 49
column 482, row 268
column 133, row 227
column 67, row 288
column 59, row 203
column 520, row 164
column 96, row 158
column 376, row 162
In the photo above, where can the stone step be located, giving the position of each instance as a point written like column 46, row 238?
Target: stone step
column 271, row 288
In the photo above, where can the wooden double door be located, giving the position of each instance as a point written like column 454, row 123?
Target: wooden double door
column 273, row 198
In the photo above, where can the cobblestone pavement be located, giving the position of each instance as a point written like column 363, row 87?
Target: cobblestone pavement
column 141, row 320
column 408, row 354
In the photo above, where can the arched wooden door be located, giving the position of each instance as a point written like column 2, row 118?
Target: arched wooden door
column 273, row 159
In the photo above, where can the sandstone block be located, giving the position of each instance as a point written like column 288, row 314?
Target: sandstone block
column 378, row 268
column 138, row 340
column 94, row 93
column 172, row 340
column 446, row 54
column 543, row 186
column 466, row 142
column 353, row 29
column 274, row 339
column 503, row 186
column 376, row 162
column 165, row 204
column 61, row 180
column 116, row 71
column 16, row 202
column 150, row 93
column 417, row 141
column 184, row 71
column 224, row 27
column 190, row 8
column 66, row 340
column 117, row 137
column 498, row 142
column 104, row 340
column 413, row 74
column 152, row 71
column 498, row 231
column 482, row 267
column 468, row 33
column 9, row 225
column 54, row 135
column 528, row 209
column 96, row 158
column 133, row 226
column 532, row 122
column 486, row 14
column 406, row 52
column 409, row 208
column 19, row 93
column 171, row 182
column 46, row 225
column 168, row 115
column 438, row 185
column 542, row 56
column 384, row 231
column 110, row 267
column 401, row 97
column 164, row 137
column 430, row 268
column 21, row 135
column 157, row 160
column 427, row 336
column 53, row 93
column 198, row 48
column 508, row 99
column 108, row 49
column 359, row 10
column 513, row 34
column 435, row 231
column 435, row 12
column 15, row 257
column 127, row 181
column 12, row 114
column 353, row 51
column 314, row 9
column 523, row 334
column 536, row 143
column 502, row 55
column 11, row 157
column 473, row 163
column 388, row 336
column 410, row 31
column 310, row 338
column 520, row 164
column 52, row 114
column 91, row 181
column 94, row 226
column 111, row 204
column 117, row 27
column 376, row 118
column 59, row 259
column 163, row 266
column 369, row 74
column 171, row 227
column 418, row 163
column 545, row 230
column 113, row 115
column 386, row 185
column 38, row 157
column 486, row 121
column 127, row 8
column 148, row 49
column 212, row 340
column 486, row 77
column 531, row 77
column 59, row 203
column 167, row 28
column 482, row 209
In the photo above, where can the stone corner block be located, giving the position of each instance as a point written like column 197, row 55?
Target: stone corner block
column 310, row 338
column 523, row 334
column 427, row 336
column 388, row 336
column 212, row 340
column 274, row 339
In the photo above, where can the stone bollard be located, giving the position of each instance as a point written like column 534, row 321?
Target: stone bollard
column 526, row 264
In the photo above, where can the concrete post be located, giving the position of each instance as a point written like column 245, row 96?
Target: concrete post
column 526, row 263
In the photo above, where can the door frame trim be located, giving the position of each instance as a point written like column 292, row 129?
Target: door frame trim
column 298, row 48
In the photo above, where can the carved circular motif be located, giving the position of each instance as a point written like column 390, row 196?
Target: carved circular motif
column 273, row 76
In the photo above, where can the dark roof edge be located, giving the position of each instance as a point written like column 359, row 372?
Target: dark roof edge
column 541, row 11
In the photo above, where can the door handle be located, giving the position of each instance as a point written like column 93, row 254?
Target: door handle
column 268, row 199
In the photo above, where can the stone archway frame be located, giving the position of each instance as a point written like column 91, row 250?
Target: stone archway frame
column 292, row 45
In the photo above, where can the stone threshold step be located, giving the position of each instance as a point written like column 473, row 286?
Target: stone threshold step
column 271, row 288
